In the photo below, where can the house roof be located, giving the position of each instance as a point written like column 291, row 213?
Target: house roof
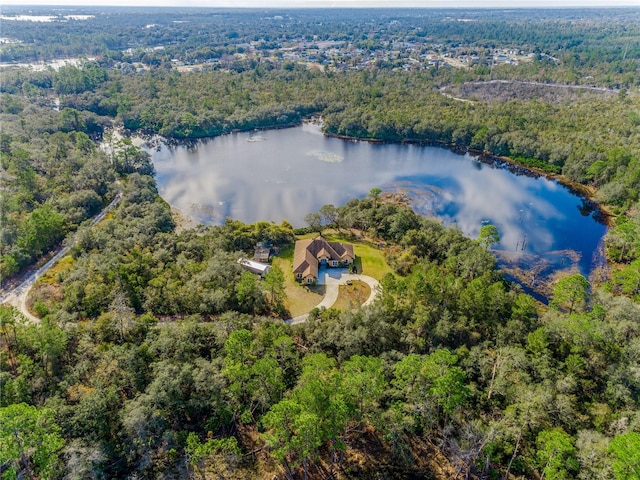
column 261, row 254
column 307, row 252
column 255, row 267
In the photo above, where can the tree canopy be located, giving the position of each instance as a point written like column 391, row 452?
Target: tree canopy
column 158, row 356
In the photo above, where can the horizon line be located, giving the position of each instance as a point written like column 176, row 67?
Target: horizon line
column 328, row 7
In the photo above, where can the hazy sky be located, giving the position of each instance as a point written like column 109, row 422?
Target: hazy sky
column 335, row 3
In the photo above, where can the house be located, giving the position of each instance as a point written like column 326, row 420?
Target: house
column 258, row 268
column 310, row 254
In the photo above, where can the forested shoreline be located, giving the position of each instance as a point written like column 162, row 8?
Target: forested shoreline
column 158, row 356
column 589, row 140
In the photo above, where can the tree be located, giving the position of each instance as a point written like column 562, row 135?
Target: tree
column 570, row 292
column 266, row 383
column 274, row 284
column 625, row 449
column 316, row 412
column 279, row 421
column 84, row 460
column 623, row 241
column 593, row 455
column 71, row 120
column 220, row 455
column 248, row 293
column 314, row 220
column 47, row 343
column 432, row 380
column 396, row 423
column 363, row 382
column 123, row 313
column 447, row 380
column 128, row 158
column 238, row 354
column 30, row 441
column 489, row 236
column 374, row 193
column 308, row 437
column 253, row 382
column 8, row 319
column 627, row 279
column 556, row 454
column 407, row 377
column 42, row 229
column 330, row 215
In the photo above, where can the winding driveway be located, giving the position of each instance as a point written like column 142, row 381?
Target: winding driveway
column 18, row 296
column 332, row 278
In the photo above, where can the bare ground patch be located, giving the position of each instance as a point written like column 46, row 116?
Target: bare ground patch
column 352, row 296
column 504, row 90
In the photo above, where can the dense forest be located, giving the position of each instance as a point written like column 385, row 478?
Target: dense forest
column 158, row 356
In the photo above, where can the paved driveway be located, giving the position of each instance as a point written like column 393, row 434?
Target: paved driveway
column 332, row 278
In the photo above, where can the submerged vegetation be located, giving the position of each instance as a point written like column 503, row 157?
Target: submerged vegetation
column 158, row 356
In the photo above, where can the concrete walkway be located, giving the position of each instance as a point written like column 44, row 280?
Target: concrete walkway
column 332, row 278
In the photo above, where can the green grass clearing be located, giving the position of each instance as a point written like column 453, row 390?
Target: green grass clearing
column 300, row 298
column 369, row 258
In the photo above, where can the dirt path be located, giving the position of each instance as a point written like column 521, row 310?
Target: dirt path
column 552, row 85
column 18, row 295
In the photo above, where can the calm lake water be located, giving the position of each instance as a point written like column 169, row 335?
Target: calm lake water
column 285, row 174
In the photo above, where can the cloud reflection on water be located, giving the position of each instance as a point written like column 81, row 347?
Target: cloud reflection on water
column 287, row 175
column 516, row 212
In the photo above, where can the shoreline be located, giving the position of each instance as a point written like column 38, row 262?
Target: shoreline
column 539, row 288
column 585, row 191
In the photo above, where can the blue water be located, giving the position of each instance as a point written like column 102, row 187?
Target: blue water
column 280, row 175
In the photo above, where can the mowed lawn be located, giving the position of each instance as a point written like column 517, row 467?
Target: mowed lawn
column 369, row 258
column 301, row 298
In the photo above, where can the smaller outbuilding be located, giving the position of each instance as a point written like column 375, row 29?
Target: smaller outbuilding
column 258, row 268
column 262, row 252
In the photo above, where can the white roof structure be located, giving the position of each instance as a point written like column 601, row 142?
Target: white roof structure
column 258, row 268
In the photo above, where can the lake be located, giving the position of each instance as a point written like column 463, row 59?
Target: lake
column 285, row 174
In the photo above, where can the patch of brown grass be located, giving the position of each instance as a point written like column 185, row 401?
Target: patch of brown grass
column 61, row 267
column 48, row 288
column 367, row 456
column 352, row 296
